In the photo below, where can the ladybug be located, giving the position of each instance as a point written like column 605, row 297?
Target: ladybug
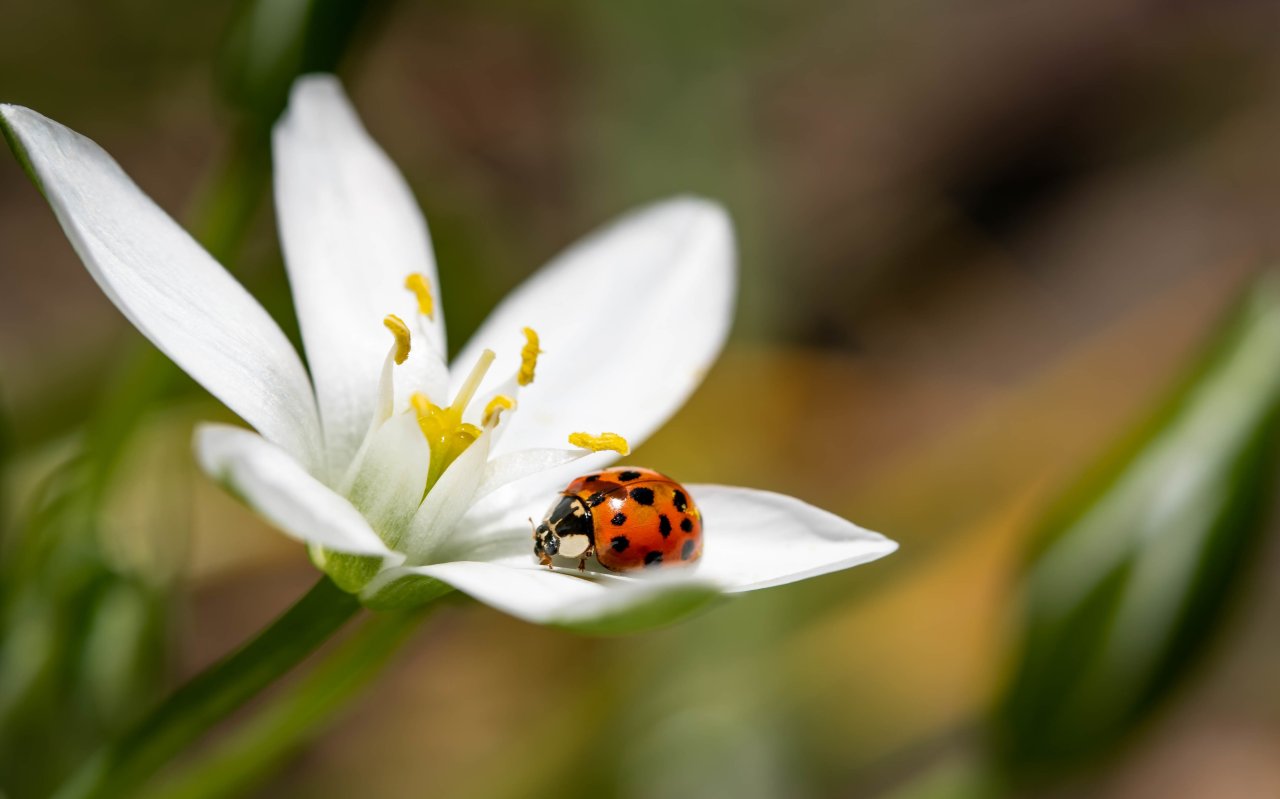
column 629, row 518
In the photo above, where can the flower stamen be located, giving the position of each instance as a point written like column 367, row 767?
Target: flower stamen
column 610, row 441
column 447, row 435
column 528, row 357
column 495, row 408
column 417, row 283
column 401, row 331
column 468, row 389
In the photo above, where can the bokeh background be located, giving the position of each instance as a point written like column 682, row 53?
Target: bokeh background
column 981, row 243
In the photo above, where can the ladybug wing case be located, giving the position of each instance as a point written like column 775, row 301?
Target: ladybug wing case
column 639, row 525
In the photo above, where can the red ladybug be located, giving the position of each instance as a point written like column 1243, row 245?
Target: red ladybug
column 629, row 518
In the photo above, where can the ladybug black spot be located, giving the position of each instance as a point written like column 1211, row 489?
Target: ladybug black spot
column 618, row 520
column 596, row 498
column 591, row 478
column 642, row 495
column 687, row 549
column 628, row 475
column 664, row 525
column 653, row 558
column 687, row 525
column 620, row 543
column 680, row 501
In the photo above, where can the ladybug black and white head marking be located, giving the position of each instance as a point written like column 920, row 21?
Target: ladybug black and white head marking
column 545, row 544
column 566, row 531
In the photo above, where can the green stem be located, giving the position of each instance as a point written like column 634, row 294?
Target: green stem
column 292, row 718
column 213, row 695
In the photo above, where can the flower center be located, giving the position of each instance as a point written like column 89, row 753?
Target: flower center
column 446, row 433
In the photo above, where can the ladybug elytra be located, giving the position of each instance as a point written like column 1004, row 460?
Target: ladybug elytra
column 627, row 517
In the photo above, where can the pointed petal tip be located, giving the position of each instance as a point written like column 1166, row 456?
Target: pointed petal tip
column 315, row 101
column 691, row 201
column 877, row 541
column 314, row 85
column 281, row 491
column 351, row 231
column 8, row 115
column 764, row 539
column 8, row 111
column 14, row 120
column 685, row 247
column 877, row 546
column 22, row 128
column 165, row 283
column 19, row 121
column 699, row 210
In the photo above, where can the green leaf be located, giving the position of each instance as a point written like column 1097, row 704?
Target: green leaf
column 82, row 643
column 290, row 719
column 1133, row 570
column 118, row 768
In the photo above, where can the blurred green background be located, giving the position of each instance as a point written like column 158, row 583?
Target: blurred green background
column 987, row 249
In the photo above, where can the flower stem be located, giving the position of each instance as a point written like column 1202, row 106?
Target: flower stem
column 291, row 718
column 212, row 695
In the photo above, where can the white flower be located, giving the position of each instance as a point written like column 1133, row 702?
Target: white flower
column 630, row 319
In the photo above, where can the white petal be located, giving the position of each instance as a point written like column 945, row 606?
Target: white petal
column 425, row 371
column 630, row 319
column 276, row 486
column 173, row 291
column 757, row 539
column 514, row 466
column 447, row 501
column 499, row 527
column 589, row 605
column 385, row 404
column 397, row 383
column 752, row 539
column 390, row 475
column 351, row 233
column 496, row 523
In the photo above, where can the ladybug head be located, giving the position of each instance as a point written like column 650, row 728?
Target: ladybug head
column 566, row 531
column 545, row 542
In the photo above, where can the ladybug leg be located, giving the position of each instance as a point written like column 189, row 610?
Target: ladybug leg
column 582, row 564
column 544, row 560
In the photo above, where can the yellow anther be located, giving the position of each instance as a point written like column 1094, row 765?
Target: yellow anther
column 495, row 408
column 528, row 357
column 401, row 331
column 417, row 283
column 603, row 441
